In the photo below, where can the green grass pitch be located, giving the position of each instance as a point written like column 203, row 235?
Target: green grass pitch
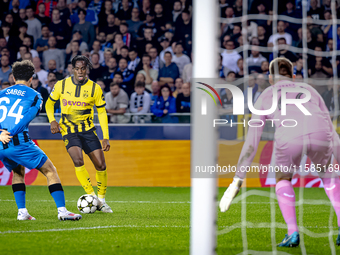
column 157, row 221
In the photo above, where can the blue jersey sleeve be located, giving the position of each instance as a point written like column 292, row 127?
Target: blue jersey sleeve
column 2, row 93
column 29, row 116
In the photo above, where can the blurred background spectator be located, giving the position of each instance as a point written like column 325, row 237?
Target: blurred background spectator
column 183, row 103
column 117, row 102
column 164, row 105
column 140, row 103
column 5, row 69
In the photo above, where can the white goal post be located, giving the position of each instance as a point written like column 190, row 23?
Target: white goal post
column 203, row 135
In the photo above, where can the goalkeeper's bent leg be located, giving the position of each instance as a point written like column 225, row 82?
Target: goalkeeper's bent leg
column 84, row 179
column 286, row 199
column 332, row 189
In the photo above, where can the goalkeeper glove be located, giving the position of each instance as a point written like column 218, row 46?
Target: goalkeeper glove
column 230, row 194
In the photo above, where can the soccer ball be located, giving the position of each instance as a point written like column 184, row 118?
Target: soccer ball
column 87, row 204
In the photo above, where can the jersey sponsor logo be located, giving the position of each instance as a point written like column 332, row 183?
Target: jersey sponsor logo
column 74, row 103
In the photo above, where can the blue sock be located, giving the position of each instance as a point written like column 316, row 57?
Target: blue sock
column 19, row 191
column 57, row 193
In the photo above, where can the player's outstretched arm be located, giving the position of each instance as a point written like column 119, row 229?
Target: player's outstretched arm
column 246, row 158
column 230, row 194
column 5, row 136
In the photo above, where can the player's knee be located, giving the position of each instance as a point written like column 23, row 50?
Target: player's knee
column 49, row 171
column 78, row 162
column 19, row 171
column 49, row 168
column 53, row 169
column 101, row 167
column 18, row 175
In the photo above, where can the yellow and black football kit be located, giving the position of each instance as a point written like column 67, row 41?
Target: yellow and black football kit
column 76, row 102
column 76, row 123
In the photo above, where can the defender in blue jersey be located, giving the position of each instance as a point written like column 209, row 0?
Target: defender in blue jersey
column 19, row 105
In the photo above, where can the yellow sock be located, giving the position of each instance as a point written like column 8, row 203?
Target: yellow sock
column 101, row 177
column 84, row 179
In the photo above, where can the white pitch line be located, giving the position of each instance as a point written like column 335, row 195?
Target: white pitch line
column 254, row 193
column 141, row 202
column 261, row 193
column 316, row 227
column 302, row 229
column 87, row 228
column 252, row 252
column 236, row 201
column 305, row 202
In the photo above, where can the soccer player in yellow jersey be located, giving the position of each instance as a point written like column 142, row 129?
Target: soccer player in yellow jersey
column 77, row 96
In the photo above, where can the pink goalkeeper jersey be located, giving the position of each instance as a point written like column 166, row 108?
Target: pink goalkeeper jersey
column 318, row 121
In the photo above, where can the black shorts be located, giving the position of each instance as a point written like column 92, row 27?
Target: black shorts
column 87, row 141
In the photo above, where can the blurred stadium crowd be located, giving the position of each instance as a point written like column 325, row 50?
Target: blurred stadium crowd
column 141, row 49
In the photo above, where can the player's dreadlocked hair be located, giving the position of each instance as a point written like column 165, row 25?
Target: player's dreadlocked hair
column 23, row 70
column 81, row 58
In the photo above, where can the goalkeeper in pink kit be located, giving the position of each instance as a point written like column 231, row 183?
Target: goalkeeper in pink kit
column 300, row 129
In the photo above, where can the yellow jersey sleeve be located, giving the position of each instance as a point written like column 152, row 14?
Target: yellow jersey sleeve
column 54, row 96
column 102, row 115
column 56, row 92
column 99, row 99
